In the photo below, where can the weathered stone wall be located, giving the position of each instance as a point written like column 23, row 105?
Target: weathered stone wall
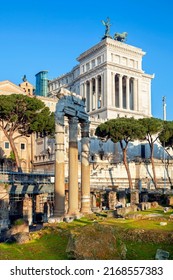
column 4, row 206
column 170, row 200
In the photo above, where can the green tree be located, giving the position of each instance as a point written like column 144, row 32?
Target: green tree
column 166, row 139
column 21, row 115
column 152, row 127
column 166, row 135
column 122, row 130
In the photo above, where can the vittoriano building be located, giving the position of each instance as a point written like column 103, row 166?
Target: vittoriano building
column 110, row 76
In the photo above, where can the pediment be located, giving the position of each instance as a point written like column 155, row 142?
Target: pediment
column 7, row 87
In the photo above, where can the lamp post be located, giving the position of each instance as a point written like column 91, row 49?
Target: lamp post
column 164, row 159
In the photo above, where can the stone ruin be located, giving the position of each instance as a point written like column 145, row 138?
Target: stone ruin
column 71, row 106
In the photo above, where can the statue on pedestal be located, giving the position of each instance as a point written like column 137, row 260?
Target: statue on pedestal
column 107, row 26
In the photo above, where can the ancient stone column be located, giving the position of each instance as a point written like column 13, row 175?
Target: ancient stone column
column 27, row 209
column 59, row 209
column 73, row 167
column 112, row 200
column 134, row 196
column 85, row 169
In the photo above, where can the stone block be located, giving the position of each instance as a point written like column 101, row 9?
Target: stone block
column 161, row 255
column 170, row 200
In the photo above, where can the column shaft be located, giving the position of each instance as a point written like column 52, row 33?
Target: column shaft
column 120, row 92
column 113, row 90
column 127, row 94
column 135, row 95
column 96, row 94
column 85, row 169
column 91, row 96
column 73, row 167
column 59, row 209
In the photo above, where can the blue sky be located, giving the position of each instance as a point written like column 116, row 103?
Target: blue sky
column 49, row 35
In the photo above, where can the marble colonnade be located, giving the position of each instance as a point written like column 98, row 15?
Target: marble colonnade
column 123, row 95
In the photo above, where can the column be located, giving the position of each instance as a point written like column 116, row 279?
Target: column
column 105, row 91
column 73, row 167
column 82, row 90
column 102, row 91
column 27, row 209
column 91, row 96
column 59, row 208
column 120, row 92
column 134, row 196
column 113, row 90
column 135, row 95
column 85, row 90
column 85, row 169
column 127, row 94
column 96, row 93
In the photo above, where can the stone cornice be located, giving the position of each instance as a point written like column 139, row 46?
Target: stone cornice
column 124, row 48
column 125, row 69
column 148, row 76
column 113, row 44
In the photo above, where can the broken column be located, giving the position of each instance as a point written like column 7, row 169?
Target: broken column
column 112, row 200
column 27, row 209
column 85, row 169
column 73, row 167
column 59, row 209
column 134, row 196
column 4, row 206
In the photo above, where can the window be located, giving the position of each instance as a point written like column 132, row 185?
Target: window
column 83, row 68
column 93, row 63
column 7, row 145
column 98, row 60
column 143, row 151
column 92, row 157
column 22, row 146
column 87, row 66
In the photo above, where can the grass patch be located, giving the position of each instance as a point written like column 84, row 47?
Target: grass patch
column 50, row 243
column 137, row 250
column 50, row 246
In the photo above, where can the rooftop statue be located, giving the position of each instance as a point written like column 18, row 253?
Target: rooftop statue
column 107, row 26
column 121, row 37
column 24, row 78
